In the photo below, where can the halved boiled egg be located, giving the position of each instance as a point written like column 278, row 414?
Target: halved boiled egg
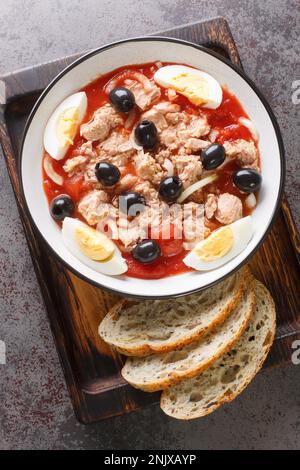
column 63, row 125
column 92, row 247
column 199, row 87
column 221, row 246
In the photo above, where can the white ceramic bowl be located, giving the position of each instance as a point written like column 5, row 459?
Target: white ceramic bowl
column 135, row 51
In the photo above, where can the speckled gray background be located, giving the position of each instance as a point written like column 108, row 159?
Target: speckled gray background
column 35, row 410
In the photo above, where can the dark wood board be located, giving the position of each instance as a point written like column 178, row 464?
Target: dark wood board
column 75, row 308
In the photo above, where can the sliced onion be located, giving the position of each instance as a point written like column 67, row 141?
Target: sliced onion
column 168, row 165
column 133, row 142
column 130, row 119
column 250, row 201
column 55, row 177
column 113, row 83
column 249, row 124
column 194, row 187
column 158, row 64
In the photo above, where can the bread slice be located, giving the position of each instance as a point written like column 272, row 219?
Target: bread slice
column 159, row 371
column 157, row 326
column 227, row 377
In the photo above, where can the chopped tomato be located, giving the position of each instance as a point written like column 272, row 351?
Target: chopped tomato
column 164, row 266
column 129, row 169
column 51, row 189
column 154, row 270
column 166, row 239
column 234, row 132
column 170, row 247
column 75, row 187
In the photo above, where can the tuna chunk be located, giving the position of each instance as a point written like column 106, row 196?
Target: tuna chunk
column 195, row 145
column 193, row 222
column 188, row 168
column 127, row 182
column 174, row 118
column 133, row 231
column 213, row 135
column 156, row 117
column 229, row 209
column 169, row 138
column 211, row 205
column 245, row 152
column 75, row 164
column 117, row 149
column 183, row 128
column 162, row 155
column 86, row 149
column 116, row 143
column 104, row 120
column 147, row 168
column 148, row 191
column 157, row 114
column 166, row 107
column 93, row 206
column 143, row 98
column 90, row 175
column 198, row 127
column 197, row 197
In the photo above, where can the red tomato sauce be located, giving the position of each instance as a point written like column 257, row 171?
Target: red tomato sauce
column 163, row 267
column 224, row 119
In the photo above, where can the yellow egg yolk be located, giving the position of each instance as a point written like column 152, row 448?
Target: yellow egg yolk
column 67, row 126
column 93, row 244
column 194, row 87
column 217, row 245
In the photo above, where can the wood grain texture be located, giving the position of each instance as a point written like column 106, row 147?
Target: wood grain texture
column 75, row 308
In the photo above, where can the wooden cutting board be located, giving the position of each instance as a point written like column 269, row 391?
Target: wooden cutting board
column 75, row 308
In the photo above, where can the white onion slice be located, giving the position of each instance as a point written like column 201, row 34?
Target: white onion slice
column 249, row 124
column 168, row 165
column 55, row 177
column 194, row 187
column 130, row 119
column 250, row 201
column 135, row 75
column 133, row 142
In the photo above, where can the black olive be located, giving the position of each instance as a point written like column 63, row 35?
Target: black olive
column 146, row 134
column 247, row 180
column 107, row 173
column 61, row 206
column 122, row 99
column 146, row 251
column 131, row 203
column 213, row 156
column 170, row 188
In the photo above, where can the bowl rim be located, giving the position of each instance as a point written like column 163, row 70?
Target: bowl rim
column 206, row 50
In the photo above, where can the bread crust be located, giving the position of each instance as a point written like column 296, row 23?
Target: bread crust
column 177, row 376
column 228, row 397
column 147, row 348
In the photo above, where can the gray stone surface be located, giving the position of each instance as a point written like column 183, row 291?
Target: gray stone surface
column 35, row 410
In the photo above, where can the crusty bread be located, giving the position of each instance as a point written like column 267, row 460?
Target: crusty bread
column 227, row 377
column 159, row 371
column 157, row 326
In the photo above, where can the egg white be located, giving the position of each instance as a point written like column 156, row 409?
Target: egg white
column 52, row 144
column 112, row 267
column 164, row 76
column 242, row 231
